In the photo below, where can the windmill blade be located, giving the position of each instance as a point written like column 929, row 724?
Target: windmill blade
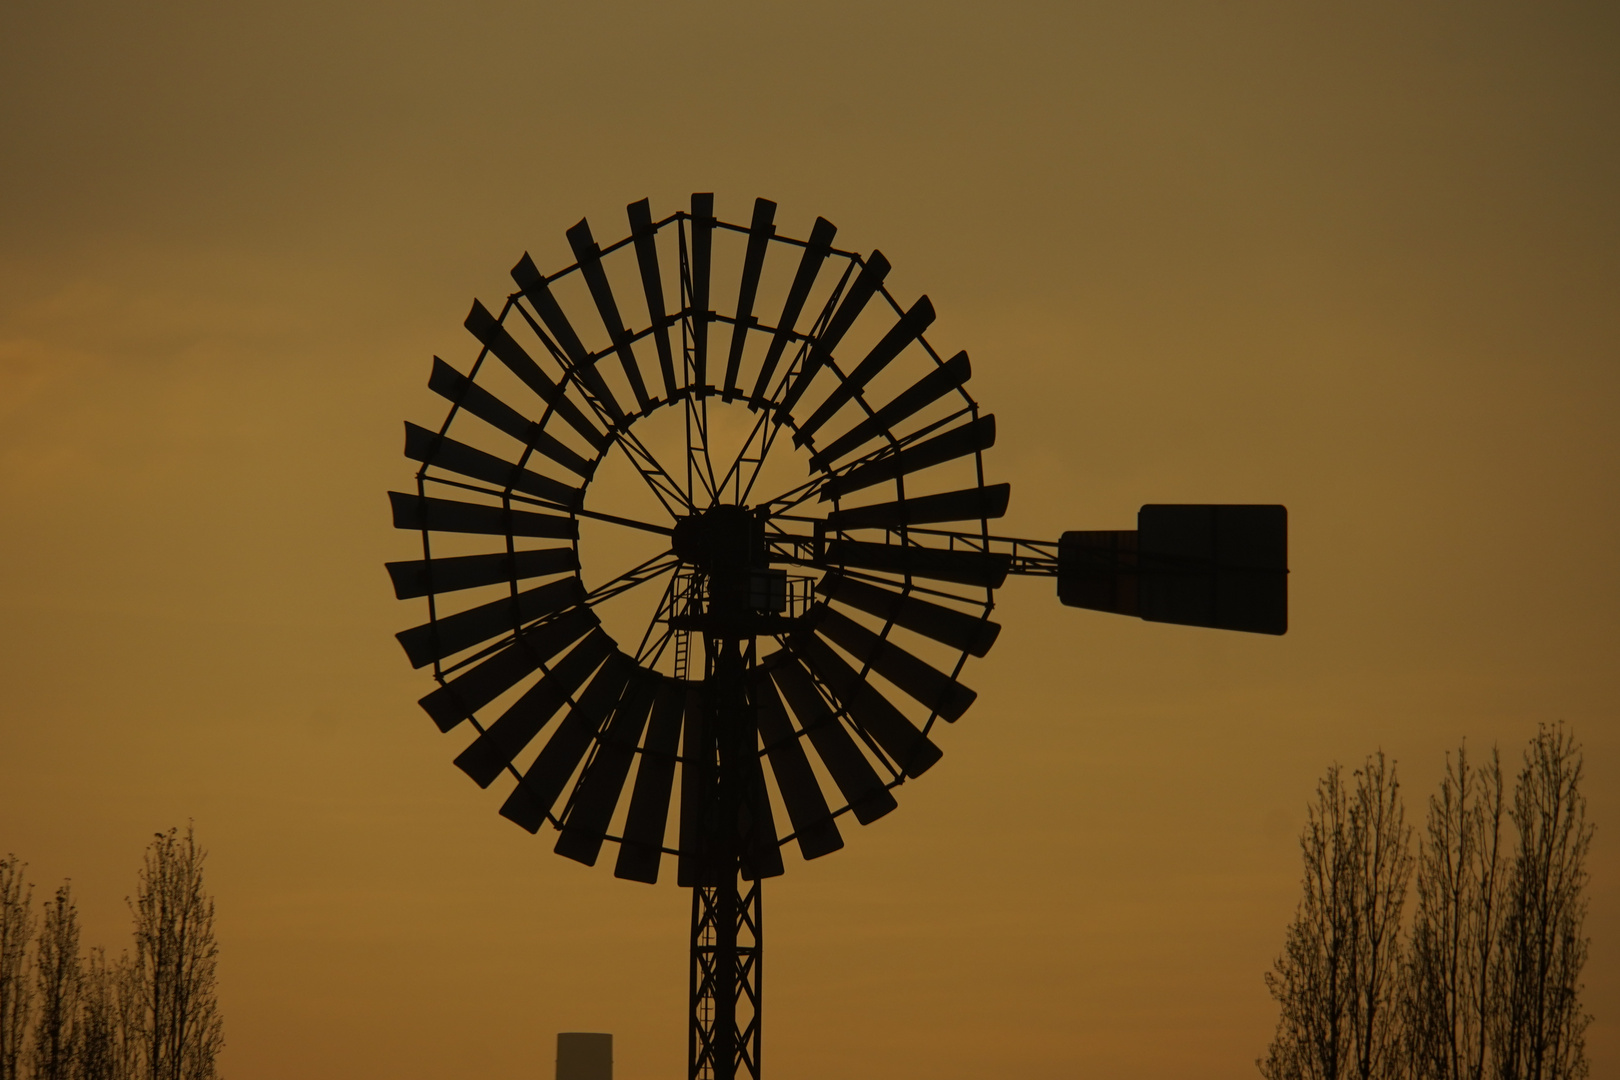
column 761, row 855
column 697, row 786
column 431, row 448
column 488, row 330
column 420, row 512
column 652, row 285
column 760, row 231
column 455, row 387
column 906, row 746
column 419, row 577
column 958, row 442
column 813, row 824
column 586, row 824
column 923, row 393
column 589, row 256
column 815, row 253
column 986, row 569
column 470, row 691
column 910, row 327
column 966, row 505
column 935, row 689
column 868, row 798
column 535, row 287
column 866, row 285
column 642, row 847
column 450, row 634
column 700, row 861
column 537, row 791
column 702, row 250
column 959, row 630
column 490, row 753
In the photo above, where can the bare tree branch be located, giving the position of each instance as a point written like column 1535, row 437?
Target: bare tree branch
column 1540, row 1027
column 1455, row 952
column 175, row 960
column 57, row 981
column 1338, row 979
column 16, row 991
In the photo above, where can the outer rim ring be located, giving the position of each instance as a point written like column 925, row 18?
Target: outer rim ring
column 617, row 430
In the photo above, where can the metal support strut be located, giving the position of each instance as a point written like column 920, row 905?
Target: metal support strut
column 724, row 1040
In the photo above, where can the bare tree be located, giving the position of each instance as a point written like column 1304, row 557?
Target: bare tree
column 1540, row 1027
column 1454, row 956
column 175, row 962
column 16, row 990
column 108, row 1043
column 126, row 980
column 1311, row 979
column 1337, row 980
column 57, row 981
column 1385, row 873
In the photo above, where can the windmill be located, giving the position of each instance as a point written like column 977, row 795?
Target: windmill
column 807, row 557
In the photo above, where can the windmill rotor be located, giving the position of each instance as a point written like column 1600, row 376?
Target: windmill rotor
column 805, row 565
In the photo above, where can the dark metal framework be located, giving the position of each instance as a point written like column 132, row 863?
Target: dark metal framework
column 834, row 617
column 728, row 974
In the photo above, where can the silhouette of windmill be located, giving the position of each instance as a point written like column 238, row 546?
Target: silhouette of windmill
column 802, row 643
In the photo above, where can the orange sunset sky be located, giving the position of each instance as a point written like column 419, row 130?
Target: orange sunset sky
column 1363, row 260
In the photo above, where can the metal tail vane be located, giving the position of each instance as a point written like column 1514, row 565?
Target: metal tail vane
column 804, row 644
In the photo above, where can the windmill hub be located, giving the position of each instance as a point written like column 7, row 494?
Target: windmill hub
column 733, row 591
column 720, row 539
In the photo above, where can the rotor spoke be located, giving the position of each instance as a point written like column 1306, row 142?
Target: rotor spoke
column 661, row 616
column 759, row 464
column 786, row 379
column 641, row 459
column 735, row 469
column 812, row 488
column 791, row 372
column 614, row 519
column 708, row 457
column 796, row 496
column 664, row 486
column 649, row 657
column 659, row 564
column 580, row 372
column 698, row 462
